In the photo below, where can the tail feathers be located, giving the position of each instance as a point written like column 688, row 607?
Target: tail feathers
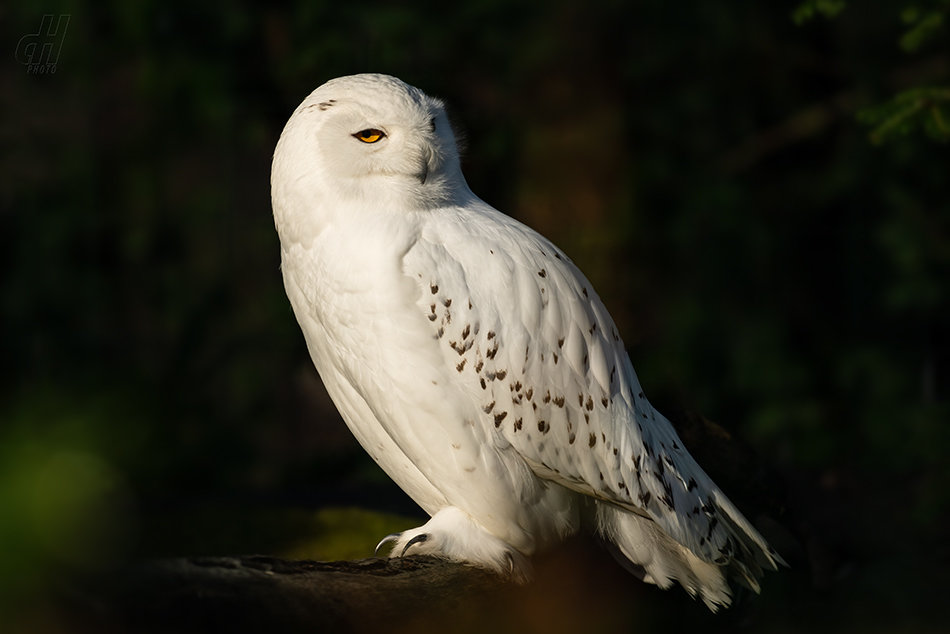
column 664, row 560
column 757, row 553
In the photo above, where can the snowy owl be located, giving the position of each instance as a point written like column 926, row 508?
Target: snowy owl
column 473, row 360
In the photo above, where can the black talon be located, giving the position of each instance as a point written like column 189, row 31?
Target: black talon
column 418, row 539
column 385, row 540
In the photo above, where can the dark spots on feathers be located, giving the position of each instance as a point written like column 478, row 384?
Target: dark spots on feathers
column 517, row 425
column 501, row 374
column 668, row 500
column 530, row 393
column 488, row 408
column 432, row 317
column 434, row 288
column 691, row 484
column 571, row 438
column 461, row 348
column 498, row 418
column 325, row 105
column 440, row 332
column 479, row 365
column 644, row 498
column 547, row 397
column 517, row 386
column 446, row 302
column 557, row 255
column 593, row 440
column 491, row 334
column 482, row 381
column 554, row 354
column 543, row 273
column 712, row 526
column 543, row 427
column 590, row 404
column 466, row 331
column 560, row 342
column 559, row 401
column 491, row 353
column 584, row 290
column 461, row 365
column 603, row 400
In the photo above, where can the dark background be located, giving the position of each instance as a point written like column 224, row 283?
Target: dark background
column 768, row 264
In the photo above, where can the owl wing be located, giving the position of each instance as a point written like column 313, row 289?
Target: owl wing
column 531, row 344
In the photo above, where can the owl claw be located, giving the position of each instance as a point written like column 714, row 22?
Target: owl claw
column 418, row 539
column 387, row 539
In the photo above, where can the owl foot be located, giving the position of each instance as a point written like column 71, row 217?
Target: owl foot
column 453, row 534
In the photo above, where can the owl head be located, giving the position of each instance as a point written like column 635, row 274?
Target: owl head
column 366, row 140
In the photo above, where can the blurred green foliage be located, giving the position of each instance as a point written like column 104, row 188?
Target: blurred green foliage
column 701, row 163
column 917, row 107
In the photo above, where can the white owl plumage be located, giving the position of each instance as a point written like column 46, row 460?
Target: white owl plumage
column 474, row 361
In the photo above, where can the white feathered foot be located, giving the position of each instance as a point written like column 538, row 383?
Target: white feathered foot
column 454, row 535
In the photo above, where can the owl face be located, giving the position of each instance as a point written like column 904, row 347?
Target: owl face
column 369, row 140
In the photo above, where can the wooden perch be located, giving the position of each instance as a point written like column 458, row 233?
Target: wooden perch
column 267, row 594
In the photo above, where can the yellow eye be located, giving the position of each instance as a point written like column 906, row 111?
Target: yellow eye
column 370, row 135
